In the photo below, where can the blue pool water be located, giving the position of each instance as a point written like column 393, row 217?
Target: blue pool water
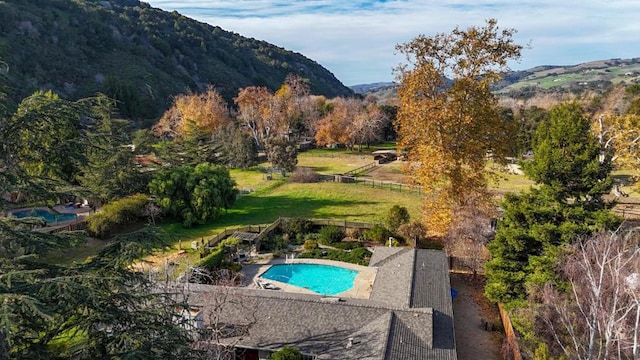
column 321, row 279
column 48, row 216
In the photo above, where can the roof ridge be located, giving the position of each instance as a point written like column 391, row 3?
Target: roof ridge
column 391, row 257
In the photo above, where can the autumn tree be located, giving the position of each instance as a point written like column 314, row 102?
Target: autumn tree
column 194, row 115
column 335, row 126
column 447, row 119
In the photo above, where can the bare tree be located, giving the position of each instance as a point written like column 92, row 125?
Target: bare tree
column 597, row 318
column 469, row 234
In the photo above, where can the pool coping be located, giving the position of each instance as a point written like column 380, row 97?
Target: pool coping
column 362, row 284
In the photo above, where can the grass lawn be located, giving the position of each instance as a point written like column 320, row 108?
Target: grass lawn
column 317, row 200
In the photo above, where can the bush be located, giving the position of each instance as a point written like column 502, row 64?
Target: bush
column 121, row 212
column 213, row 261
column 274, row 243
column 331, row 234
column 397, row 216
column 310, row 245
column 353, row 233
column 304, row 175
column 377, row 233
column 296, row 226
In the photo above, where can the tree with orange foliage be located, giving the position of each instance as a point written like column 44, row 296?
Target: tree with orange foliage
column 336, row 125
column 447, row 120
column 194, row 116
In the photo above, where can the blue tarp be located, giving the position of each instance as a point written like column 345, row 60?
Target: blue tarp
column 454, row 292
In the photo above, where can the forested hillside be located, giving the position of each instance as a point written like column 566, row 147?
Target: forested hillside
column 137, row 54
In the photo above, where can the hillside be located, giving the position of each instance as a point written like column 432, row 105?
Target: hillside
column 545, row 86
column 137, row 54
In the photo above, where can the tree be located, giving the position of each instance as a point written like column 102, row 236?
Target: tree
column 282, row 154
column 100, row 308
column 597, row 317
column 368, row 125
column 447, row 120
column 469, row 234
column 194, row 116
column 47, row 136
column 413, row 232
column 336, row 126
column 287, row 353
column 256, row 113
column 194, row 194
column 567, row 157
column 110, row 171
column 397, row 216
column 240, row 149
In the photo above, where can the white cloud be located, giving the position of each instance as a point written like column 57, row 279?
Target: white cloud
column 355, row 39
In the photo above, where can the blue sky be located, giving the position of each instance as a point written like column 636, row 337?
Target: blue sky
column 355, row 39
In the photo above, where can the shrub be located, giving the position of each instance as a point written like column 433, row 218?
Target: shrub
column 304, row 175
column 310, row 245
column 287, row 353
column 213, row 261
column 312, row 236
column 397, row 216
column 121, row 212
column 331, row 234
column 296, row 226
column 274, row 243
column 377, row 233
column 353, row 233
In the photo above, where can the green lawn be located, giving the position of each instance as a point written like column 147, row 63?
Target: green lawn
column 317, row 200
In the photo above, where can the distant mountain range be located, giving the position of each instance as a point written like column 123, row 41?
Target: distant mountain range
column 138, row 54
column 545, row 85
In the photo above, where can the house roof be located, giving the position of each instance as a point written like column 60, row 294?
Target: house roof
column 408, row 315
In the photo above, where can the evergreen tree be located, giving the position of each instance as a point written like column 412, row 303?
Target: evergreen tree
column 102, row 308
column 194, row 194
column 567, row 157
column 568, row 204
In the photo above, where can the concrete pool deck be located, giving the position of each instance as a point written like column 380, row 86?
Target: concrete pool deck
column 362, row 284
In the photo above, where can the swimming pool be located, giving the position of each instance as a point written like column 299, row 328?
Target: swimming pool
column 321, row 279
column 48, row 216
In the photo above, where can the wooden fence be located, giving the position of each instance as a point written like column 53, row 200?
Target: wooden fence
column 512, row 349
column 361, row 169
column 76, row 226
column 387, row 185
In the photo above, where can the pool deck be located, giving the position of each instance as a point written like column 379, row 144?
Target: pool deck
column 362, row 284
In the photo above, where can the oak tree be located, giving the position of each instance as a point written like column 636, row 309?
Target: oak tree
column 447, row 120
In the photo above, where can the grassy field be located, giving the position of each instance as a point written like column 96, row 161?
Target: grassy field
column 270, row 199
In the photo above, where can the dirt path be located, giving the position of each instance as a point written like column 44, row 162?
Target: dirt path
column 470, row 308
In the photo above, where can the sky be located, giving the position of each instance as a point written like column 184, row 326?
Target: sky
column 356, row 39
